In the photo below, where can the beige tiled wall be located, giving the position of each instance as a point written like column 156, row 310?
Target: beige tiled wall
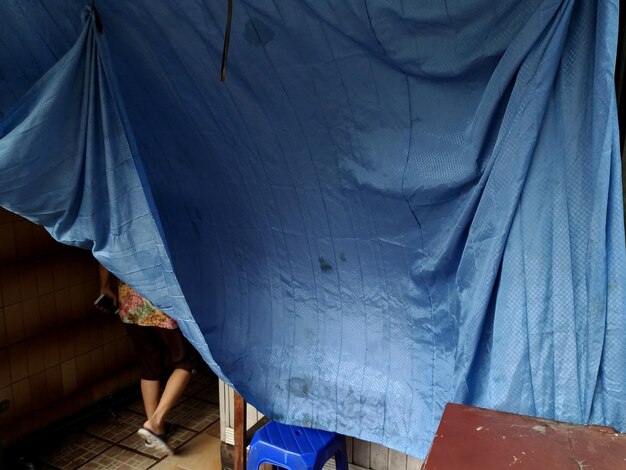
column 57, row 354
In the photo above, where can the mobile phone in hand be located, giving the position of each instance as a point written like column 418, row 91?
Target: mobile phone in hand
column 106, row 302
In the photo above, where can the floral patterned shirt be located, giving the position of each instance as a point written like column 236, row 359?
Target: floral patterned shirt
column 138, row 310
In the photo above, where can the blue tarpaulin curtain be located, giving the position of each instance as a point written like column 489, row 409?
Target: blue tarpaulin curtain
column 387, row 205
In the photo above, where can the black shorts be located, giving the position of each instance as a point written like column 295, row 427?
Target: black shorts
column 160, row 348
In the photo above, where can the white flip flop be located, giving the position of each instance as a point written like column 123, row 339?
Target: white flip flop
column 153, row 441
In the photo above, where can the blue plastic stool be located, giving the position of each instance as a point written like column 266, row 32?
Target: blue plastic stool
column 296, row 448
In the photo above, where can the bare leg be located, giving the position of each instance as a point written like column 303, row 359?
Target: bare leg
column 150, row 392
column 174, row 388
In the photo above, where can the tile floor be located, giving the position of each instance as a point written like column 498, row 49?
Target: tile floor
column 110, row 442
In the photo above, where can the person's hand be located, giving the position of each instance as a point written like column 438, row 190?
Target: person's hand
column 109, row 292
column 108, row 288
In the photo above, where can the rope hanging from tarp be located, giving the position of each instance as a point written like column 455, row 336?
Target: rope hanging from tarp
column 229, row 18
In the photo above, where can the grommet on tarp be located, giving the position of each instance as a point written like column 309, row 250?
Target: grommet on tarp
column 229, row 18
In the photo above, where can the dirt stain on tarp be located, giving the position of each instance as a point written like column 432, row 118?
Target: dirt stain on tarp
column 299, row 387
column 325, row 265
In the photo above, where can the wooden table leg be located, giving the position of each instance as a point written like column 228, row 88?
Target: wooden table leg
column 240, row 433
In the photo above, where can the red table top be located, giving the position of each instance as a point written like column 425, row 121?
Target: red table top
column 474, row 438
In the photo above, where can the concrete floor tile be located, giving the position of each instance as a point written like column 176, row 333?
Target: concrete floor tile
column 117, row 428
column 201, row 453
column 116, row 458
column 194, row 414
column 214, row 430
column 74, row 451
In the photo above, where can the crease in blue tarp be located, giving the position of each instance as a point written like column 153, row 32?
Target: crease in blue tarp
column 386, row 207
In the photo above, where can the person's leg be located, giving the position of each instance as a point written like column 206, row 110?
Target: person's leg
column 174, row 388
column 182, row 357
column 151, row 394
column 148, row 348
